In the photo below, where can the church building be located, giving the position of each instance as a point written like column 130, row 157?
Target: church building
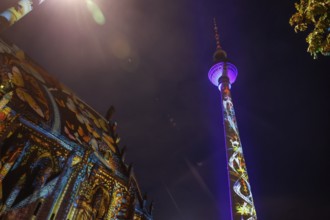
column 59, row 158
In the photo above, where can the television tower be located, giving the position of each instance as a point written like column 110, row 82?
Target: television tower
column 222, row 74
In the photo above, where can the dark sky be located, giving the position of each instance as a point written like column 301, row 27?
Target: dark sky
column 150, row 60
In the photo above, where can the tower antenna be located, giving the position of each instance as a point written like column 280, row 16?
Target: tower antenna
column 216, row 34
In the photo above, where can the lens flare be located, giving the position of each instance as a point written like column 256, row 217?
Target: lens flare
column 96, row 12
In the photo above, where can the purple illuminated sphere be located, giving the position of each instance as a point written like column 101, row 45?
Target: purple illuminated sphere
column 216, row 72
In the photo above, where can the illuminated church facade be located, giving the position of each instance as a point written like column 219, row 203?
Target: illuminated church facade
column 59, row 159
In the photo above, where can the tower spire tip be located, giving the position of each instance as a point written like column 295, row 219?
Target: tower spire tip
column 217, row 37
column 219, row 54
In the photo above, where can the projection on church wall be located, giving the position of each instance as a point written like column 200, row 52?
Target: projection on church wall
column 39, row 96
column 59, row 159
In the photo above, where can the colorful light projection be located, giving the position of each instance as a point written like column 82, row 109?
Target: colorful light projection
column 59, row 159
column 222, row 74
column 55, row 106
column 17, row 12
column 239, row 183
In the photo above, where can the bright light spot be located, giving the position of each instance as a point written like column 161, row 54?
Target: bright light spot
column 131, row 63
column 96, row 12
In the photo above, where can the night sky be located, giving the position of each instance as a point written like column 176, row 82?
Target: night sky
column 150, row 60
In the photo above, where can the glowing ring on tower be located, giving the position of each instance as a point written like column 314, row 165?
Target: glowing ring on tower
column 217, row 70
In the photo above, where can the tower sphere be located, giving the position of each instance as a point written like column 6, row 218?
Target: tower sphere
column 222, row 69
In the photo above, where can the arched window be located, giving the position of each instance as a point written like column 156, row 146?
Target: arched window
column 100, row 203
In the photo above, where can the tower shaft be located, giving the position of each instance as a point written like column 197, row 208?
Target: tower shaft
column 223, row 74
column 240, row 192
